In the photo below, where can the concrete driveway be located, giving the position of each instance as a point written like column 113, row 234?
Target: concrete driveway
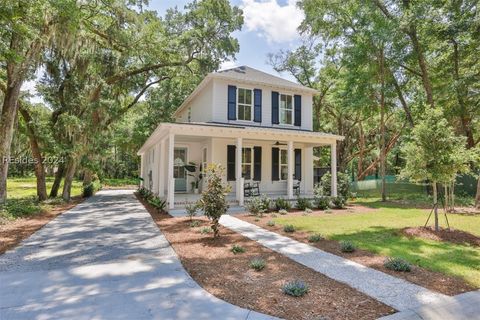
column 104, row 259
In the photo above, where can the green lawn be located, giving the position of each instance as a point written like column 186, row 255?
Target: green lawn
column 22, row 201
column 27, row 187
column 377, row 231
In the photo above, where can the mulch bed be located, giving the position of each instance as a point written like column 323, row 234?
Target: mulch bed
column 450, row 235
column 229, row 277
column 435, row 281
column 13, row 232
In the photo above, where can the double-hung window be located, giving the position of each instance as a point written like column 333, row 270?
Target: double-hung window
column 244, row 104
column 247, row 163
column 283, row 164
column 286, row 109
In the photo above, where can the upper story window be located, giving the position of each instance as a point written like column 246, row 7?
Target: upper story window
column 286, row 109
column 244, row 104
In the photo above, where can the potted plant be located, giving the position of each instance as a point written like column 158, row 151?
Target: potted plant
column 191, row 168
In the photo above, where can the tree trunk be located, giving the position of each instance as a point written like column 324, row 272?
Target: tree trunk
column 477, row 198
column 382, row 125
column 37, row 155
column 7, row 121
column 435, row 205
column 68, row 181
column 58, row 180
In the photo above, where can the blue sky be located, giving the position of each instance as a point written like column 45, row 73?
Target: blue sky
column 269, row 26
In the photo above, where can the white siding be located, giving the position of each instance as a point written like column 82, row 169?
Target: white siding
column 201, row 106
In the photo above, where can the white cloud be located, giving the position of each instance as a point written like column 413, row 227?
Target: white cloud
column 271, row 20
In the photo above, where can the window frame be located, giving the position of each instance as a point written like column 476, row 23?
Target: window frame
column 280, row 164
column 245, row 104
column 280, row 109
column 251, row 163
column 204, row 159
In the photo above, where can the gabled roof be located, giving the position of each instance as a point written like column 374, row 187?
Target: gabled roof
column 245, row 74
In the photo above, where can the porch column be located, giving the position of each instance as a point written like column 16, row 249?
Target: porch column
column 290, row 169
column 333, row 166
column 307, row 175
column 156, row 165
column 142, row 166
column 238, row 170
column 161, row 170
column 170, row 180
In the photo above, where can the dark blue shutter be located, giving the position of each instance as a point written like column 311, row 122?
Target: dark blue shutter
column 275, row 110
column 232, row 103
column 257, row 105
column 298, row 164
column 257, row 163
column 231, row 162
column 298, row 110
column 275, row 163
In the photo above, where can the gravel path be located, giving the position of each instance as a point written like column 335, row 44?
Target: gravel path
column 104, row 259
column 392, row 291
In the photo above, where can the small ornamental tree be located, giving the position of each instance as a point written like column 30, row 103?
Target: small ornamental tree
column 435, row 153
column 213, row 201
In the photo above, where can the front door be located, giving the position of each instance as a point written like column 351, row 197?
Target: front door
column 179, row 172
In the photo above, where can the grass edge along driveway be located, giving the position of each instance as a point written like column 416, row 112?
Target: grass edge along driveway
column 378, row 231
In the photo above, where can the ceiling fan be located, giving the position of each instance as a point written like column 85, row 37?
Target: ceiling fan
column 278, row 143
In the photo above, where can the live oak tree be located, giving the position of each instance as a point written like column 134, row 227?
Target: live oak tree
column 435, row 153
column 118, row 55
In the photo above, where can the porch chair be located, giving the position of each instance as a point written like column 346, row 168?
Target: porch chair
column 251, row 189
column 296, row 187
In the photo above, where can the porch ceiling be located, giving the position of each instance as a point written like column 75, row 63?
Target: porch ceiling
column 203, row 130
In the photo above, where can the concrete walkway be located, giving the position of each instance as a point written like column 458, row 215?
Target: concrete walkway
column 392, row 291
column 104, row 259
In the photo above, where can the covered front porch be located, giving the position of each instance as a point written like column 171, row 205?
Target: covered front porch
column 278, row 162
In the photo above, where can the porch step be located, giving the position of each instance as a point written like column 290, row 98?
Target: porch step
column 181, row 212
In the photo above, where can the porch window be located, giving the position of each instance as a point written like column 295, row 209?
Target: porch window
column 286, row 109
column 244, row 104
column 283, row 164
column 247, row 163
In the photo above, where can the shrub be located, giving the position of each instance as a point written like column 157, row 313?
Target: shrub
column 213, row 201
column 255, row 206
column 397, row 264
column 273, row 215
column 191, row 210
column 257, row 264
column 339, row 202
column 328, row 211
column 347, row 246
column 322, row 202
column 308, row 211
column 270, row 223
column 303, row 203
column 343, row 184
column 282, row 204
column 205, row 230
column 282, row 212
column 315, row 237
column 266, row 203
column 145, row 193
column 237, row 249
column 289, row 228
column 195, row 223
column 296, row 288
column 17, row 208
column 158, row 203
column 91, row 188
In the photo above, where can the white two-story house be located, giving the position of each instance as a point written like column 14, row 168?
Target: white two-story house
column 256, row 125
